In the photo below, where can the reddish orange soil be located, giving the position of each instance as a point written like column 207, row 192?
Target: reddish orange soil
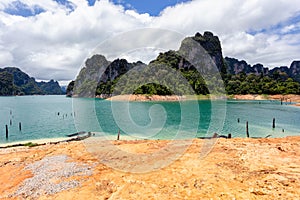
column 234, row 169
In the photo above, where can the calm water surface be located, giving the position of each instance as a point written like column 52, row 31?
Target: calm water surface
column 57, row 116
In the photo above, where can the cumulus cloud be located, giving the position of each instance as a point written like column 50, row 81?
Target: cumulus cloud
column 233, row 21
column 55, row 42
column 226, row 16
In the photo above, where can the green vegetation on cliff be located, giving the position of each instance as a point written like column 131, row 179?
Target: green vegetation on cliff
column 254, row 84
column 103, row 78
column 6, row 84
column 15, row 82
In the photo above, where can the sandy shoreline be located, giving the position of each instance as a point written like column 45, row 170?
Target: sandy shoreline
column 287, row 99
column 290, row 98
column 235, row 169
column 37, row 141
column 146, row 98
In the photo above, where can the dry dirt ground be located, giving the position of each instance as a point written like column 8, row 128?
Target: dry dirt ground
column 234, row 169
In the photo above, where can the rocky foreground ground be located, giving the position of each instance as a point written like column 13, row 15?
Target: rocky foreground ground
column 234, row 169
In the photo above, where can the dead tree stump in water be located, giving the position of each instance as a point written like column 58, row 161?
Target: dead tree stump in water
column 247, row 129
column 6, row 131
column 118, row 138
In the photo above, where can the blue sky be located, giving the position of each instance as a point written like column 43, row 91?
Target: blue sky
column 282, row 28
column 21, row 9
column 50, row 39
column 152, row 7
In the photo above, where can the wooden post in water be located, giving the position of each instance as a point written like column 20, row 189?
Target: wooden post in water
column 10, row 122
column 229, row 136
column 20, row 126
column 6, row 127
column 281, row 101
column 247, row 129
column 118, row 138
column 273, row 123
column 238, row 120
column 215, row 135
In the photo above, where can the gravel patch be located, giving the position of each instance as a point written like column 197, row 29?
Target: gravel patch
column 48, row 175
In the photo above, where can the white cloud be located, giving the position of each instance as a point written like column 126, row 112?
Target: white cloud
column 48, row 5
column 6, row 58
column 145, row 54
column 231, row 20
column 144, row 18
column 54, row 43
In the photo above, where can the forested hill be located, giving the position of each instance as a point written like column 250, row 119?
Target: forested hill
column 243, row 78
column 15, row 82
column 103, row 78
column 235, row 67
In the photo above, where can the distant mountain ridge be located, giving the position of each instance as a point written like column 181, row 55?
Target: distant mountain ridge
column 235, row 66
column 13, row 81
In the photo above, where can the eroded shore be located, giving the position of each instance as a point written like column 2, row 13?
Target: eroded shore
column 234, row 169
column 290, row 98
column 140, row 97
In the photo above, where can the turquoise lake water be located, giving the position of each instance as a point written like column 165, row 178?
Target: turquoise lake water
column 56, row 116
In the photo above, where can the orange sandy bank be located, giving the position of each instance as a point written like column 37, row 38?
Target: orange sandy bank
column 234, row 169
column 146, row 98
column 285, row 98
